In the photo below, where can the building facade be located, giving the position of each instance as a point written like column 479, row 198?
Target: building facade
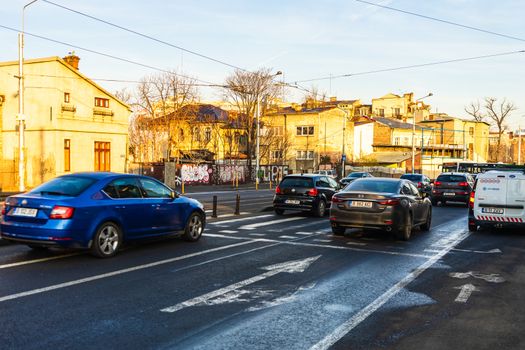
column 71, row 123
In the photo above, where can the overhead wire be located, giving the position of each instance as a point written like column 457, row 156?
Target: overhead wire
column 442, row 21
column 145, row 36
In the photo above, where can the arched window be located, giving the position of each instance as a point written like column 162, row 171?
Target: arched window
column 196, row 134
column 207, row 134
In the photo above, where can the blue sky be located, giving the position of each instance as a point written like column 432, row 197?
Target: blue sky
column 304, row 39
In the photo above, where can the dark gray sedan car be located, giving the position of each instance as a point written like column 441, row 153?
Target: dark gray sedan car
column 380, row 203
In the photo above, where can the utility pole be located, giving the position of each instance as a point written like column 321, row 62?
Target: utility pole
column 414, row 133
column 344, row 108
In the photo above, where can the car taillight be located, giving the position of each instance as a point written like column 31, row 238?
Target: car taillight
column 419, row 185
column 312, row 192
column 389, row 202
column 336, row 199
column 437, row 183
column 471, row 199
column 59, row 212
column 277, row 190
column 463, row 184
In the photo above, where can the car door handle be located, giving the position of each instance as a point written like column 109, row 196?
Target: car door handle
column 120, row 207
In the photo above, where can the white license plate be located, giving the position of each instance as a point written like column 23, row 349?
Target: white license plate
column 360, row 204
column 449, row 194
column 292, row 201
column 25, row 212
column 492, row 210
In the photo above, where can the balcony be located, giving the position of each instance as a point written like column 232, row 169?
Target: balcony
column 102, row 111
column 68, row 107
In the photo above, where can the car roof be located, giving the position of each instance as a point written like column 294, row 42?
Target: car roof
column 454, row 173
column 99, row 175
column 377, row 179
column 303, row 175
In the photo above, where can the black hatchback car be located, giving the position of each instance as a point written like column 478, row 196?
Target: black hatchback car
column 306, row 192
column 380, row 203
column 352, row 176
column 452, row 187
column 421, row 181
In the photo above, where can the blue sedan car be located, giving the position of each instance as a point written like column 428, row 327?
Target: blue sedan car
column 99, row 211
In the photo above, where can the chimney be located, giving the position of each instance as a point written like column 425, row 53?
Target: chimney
column 72, row 59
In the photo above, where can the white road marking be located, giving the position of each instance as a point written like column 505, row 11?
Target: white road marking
column 118, row 272
column 323, row 240
column 230, row 215
column 222, row 222
column 356, row 243
column 228, row 231
column 287, row 237
column 455, row 238
column 267, row 223
column 6, row 266
column 492, row 251
column 293, row 266
column 258, row 234
column 294, row 227
column 466, row 291
column 304, row 233
column 493, row 277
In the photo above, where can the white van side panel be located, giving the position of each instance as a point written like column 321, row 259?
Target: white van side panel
column 516, row 196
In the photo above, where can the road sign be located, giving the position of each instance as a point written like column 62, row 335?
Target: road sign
column 343, row 158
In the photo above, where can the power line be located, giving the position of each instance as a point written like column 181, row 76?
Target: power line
column 442, row 20
column 145, row 36
column 412, row 66
column 111, row 56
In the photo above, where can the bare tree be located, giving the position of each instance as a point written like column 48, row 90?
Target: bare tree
column 246, row 90
column 474, row 110
column 498, row 113
column 314, row 97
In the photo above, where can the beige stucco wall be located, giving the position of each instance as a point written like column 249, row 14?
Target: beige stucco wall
column 48, row 124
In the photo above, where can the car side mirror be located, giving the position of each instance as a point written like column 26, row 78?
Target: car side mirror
column 174, row 195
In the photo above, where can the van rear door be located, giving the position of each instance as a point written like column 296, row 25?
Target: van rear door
column 491, row 196
column 516, row 197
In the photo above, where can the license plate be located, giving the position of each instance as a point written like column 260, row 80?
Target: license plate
column 25, row 212
column 360, row 204
column 449, row 194
column 292, row 201
column 492, row 210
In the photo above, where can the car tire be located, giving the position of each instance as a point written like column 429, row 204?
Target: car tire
column 338, row 230
column 107, row 240
column 472, row 227
column 434, row 202
column 406, row 231
column 428, row 222
column 443, row 203
column 194, row 228
column 320, row 209
column 279, row 211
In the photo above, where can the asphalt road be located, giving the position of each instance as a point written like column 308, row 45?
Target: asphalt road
column 261, row 281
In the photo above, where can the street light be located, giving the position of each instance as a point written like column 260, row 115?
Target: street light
column 344, row 108
column 21, row 117
column 414, row 132
column 257, row 137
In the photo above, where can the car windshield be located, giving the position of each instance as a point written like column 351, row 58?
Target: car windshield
column 373, row 186
column 297, row 182
column 71, row 186
column 451, row 178
column 411, row 177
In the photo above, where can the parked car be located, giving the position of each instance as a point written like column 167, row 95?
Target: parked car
column 353, row 176
column 330, row 172
column 99, row 211
column 381, row 203
column 497, row 200
column 307, row 192
column 421, row 181
column 452, row 187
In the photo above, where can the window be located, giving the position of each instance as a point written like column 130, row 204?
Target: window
column 207, row 134
column 305, row 155
column 196, row 134
column 102, row 156
column 305, row 130
column 123, row 188
column 67, row 155
column 276, row 154
column 154, row 189
column 397, row 112
column 322, row 182
column 471, row 131
column 381, row 112
column 101, row 102
column 277, row 131
column 67, row 98
column 66, row 185
column 396, row 141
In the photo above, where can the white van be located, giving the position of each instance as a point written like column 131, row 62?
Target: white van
column 498, row 200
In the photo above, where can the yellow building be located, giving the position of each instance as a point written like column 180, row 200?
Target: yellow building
column 71, row 123
column 400, row 107
column 310, row 135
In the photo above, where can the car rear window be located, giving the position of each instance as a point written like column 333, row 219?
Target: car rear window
column 297, row 182
column 411, row 177
column 373, row 186
column 451, row 178
column 71, row 186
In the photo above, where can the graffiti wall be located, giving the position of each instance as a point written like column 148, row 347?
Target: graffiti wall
column 228, row 173
column 273, row 172
column 196, row 173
